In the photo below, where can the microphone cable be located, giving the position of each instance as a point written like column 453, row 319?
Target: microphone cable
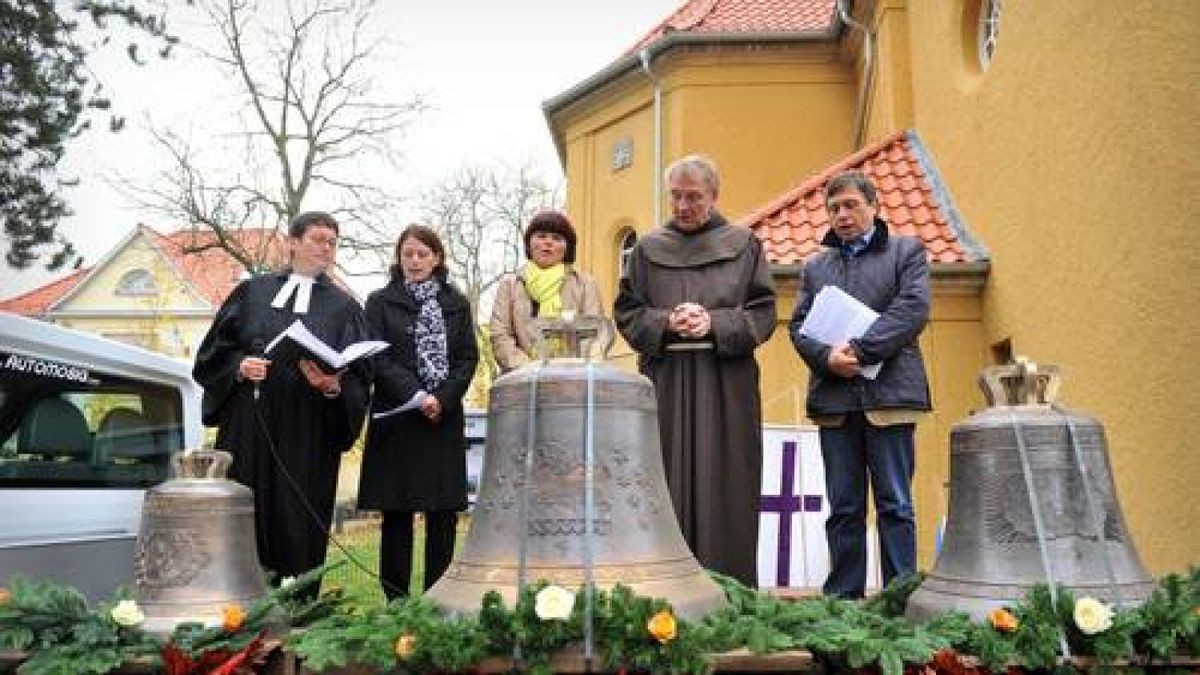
column 312, row 512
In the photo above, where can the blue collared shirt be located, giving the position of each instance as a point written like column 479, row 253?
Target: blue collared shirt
column 853, row 248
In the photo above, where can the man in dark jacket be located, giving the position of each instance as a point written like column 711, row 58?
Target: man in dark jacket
column 866, row 423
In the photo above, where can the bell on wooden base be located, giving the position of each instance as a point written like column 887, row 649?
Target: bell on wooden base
column 1032, row 501
column 533, row 516
column 196, row 550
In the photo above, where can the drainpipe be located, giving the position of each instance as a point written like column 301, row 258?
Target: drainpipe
column 644, row 55
column 868, row 85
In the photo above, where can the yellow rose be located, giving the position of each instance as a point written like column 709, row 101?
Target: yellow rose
column 232, row 617
column 127, row 613
column 662, row 626
column 554, row 602
column 5, row 596
column 1092, row 616
column 405, row 645
column 1002, row 620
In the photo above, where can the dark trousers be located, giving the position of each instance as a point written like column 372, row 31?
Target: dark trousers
column 396, row 549
column 852, row 452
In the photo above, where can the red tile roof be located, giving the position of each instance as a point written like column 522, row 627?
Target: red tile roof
column 213, row 271
column 912, row 198
column 745, row 16
column 37, row 301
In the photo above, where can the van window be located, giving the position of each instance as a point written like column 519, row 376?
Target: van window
column 66, row 426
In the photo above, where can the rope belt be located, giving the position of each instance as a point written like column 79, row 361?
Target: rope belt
column 690, row 346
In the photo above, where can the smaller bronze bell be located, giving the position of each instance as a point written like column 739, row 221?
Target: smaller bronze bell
column 195, row 550
column 1032, row 500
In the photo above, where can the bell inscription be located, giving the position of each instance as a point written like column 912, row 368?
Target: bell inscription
column 169, row 559
column 196, row 550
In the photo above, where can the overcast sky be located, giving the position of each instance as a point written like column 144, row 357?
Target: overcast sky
column 484, row 67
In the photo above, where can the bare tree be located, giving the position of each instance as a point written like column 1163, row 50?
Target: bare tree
column 481, row 212
column 313, row 115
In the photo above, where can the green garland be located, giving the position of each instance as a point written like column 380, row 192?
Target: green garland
column 61, row 634
column 411, row 636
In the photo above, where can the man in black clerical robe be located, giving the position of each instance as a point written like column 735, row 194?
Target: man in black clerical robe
column 286, row 423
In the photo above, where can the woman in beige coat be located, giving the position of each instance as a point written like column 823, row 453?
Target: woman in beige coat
column 548, row 286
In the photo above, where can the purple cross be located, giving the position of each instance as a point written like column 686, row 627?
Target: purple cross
column 785, row 504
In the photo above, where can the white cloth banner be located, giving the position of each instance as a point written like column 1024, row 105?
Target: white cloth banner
column 792, row 511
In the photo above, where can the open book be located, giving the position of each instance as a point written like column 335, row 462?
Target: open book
column 836, row 317
column 298, row 342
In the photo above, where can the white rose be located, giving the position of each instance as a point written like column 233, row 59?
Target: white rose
column 554, row 602
column 1092, row 616
column 127, row 613
column 286, row 581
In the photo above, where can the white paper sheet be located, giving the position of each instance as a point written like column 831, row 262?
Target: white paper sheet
column 411, row 404
column 836, row 317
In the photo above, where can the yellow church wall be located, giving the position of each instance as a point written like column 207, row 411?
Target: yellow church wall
column 174, row 336
column 151, row 321
column 767, row 122
column 769, row 118
column 1073, row 160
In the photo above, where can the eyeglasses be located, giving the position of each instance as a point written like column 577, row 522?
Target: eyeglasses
column 324, row 242
column 844, row 204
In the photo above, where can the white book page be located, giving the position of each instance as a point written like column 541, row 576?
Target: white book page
column 837, row 317
column 300, row 333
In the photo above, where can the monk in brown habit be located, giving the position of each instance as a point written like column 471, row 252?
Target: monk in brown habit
column 695, row 302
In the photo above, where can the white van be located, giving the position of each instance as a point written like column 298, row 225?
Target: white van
column 87, row 424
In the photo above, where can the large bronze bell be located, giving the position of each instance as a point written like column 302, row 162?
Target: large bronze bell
column 589, row 504
column 195, row 550
column 1032, row 501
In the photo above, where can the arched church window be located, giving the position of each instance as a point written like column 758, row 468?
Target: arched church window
column 624, row 247
column 988, row 32
column 137, row 282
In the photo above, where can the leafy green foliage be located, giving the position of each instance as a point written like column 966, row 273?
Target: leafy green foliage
column 62, row 635
column 370, row 638
column 46, row 91
column 1038, row 634
column 893, row 600
column 1170, row 619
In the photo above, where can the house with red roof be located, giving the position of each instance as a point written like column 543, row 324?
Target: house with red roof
column 1044, row 153
column 158, row 291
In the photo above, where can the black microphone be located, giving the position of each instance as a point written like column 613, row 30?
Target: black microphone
column 258, row 349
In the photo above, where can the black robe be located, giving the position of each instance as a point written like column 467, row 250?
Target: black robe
column 709, row 412
column 308, row 432
column 410, row 463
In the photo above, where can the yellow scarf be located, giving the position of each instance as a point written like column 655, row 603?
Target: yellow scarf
column 545, row 288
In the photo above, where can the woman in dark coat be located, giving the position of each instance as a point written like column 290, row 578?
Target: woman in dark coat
column 415, row 458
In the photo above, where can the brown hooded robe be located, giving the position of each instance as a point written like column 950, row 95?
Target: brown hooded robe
column 709, row 411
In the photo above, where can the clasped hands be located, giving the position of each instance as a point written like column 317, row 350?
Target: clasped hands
column 843, row 362
column 254, row 368
column 431, row 408
column 689, row 320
